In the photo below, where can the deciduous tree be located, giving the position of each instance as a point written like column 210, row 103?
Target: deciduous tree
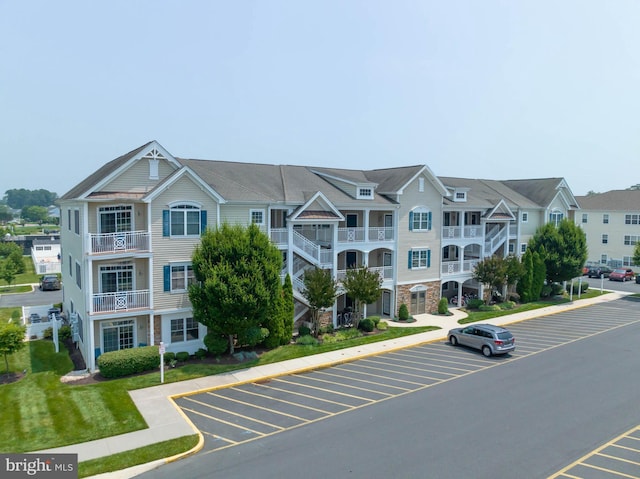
column 362, row 285
column 11, row 340
column 320, row 291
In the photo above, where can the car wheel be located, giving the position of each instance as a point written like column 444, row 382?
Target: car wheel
column 453, row 340
column 486, row 350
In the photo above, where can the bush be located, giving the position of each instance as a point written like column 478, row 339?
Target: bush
column 252, row 336
column 382, row 326
column 403, row 312
column 546, row 291
column 556, row 289
column 64, row 332
column 306, row 340
column 328, row 329
column 216, row 344
column 474, row 303
column 366, row 325
column 304, row 331
column 489, row 307
column 116, row 364
column 183, row 356
column 47, row 333
column 507, row 305
column 582, row 287
column 375, row 319
column 201, row 353
column 169, row 356
column 443, row 306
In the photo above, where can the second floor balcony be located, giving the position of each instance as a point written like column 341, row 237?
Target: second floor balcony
column 115, row 243
column 458, row 267
column 121, row 301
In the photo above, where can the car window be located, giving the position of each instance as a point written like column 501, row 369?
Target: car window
column 504, row 335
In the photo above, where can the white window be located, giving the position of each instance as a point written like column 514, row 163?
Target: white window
column 525, row 217
column 585, row 217
column 184, row 329
column 512, row 248
column 420, row 219
column 605, row 238
column 181, row 277
column 76, row 218
column 78, row 277
column 555, row 217
column 631, row 219
column 627, row 261
column 257, row 217
column 603, row 259
column 365, row 193
column 185, row 220
column 605, row 219
column 523, row 247
column 630, row 240
column 419, row 258
column 118, row 335
column 115, row 219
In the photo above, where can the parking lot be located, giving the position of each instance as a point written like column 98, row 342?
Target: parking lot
column 247, row 412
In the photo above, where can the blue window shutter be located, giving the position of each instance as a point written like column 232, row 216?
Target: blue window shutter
column 410, row 258
column 429, row 220
column 410, row 222
column 165, row 223
column 166, row 271
column 429, row 257
column 203, row 221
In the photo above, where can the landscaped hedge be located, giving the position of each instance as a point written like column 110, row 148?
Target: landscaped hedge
column 124, row 362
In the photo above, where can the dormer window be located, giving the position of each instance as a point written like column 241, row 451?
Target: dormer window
column 460, row 196
column 365, row 193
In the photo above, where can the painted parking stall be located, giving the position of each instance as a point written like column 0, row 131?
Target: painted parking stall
column 247, row 412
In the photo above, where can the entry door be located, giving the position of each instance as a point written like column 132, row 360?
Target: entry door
column 388, row 227
column 386, row 303
column 418, row 302
column 352, row 257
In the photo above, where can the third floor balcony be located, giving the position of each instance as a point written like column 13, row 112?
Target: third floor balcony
column 116, row 243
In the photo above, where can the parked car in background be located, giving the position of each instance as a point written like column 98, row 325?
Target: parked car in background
column 598, row 271
column 638, row 279
column 487, row 338
column 621, row 275
column 49, row 283
column 587, row 267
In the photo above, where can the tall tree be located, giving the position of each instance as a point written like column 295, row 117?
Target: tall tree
column 34, row 213
column 288, row 310
column 491, row 272
column 565, row 248
column 238, row 279
column 8, row 271
column 19, row 198
column 539, row 274
column 524, row 285
column 320, row 291
column 11, row 340
column 363, row 286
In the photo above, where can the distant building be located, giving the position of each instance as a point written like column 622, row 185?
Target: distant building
column 45, row 254
column 611, row 222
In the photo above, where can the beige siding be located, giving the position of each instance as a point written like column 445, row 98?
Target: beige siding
column 139, row 215
column 239, row 214
column 136, row 178
column 407, row 240
column 74, row 249
column 616, row 229
column 167, row 249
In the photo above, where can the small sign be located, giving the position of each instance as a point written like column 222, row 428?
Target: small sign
column 52, row 466
column 162, row 350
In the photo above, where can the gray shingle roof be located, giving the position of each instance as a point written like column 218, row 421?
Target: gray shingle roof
column 615, row 200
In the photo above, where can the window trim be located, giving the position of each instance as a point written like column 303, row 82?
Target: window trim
column 420, row 262
column 364, row 193
column 524, row 218
column 195, row 326
column 420, row 210
column 256, row 211
column 183, row 207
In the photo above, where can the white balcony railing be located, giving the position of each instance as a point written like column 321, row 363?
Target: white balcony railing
column 457, row 267
column 279, row 236
column 120, row 301
column 385, row 272
column 460, row 232
column 109, row 243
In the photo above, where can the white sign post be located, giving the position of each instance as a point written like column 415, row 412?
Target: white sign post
column 161, row 362
column 54, row 324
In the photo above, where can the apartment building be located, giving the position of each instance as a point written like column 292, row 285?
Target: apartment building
column 611, row 222
column 128, row 231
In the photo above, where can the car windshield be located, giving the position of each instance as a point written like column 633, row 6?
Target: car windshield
column 621, row 271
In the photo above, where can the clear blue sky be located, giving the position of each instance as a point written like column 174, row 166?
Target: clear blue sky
column 473, row 88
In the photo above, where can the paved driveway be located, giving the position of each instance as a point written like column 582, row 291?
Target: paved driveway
column 35, row 298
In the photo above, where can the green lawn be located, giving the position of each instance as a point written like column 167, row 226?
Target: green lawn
column 29, row 276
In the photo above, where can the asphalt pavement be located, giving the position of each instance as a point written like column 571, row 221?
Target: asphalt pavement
column 166, row 421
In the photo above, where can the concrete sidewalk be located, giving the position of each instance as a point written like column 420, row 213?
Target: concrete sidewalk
column 166, row 421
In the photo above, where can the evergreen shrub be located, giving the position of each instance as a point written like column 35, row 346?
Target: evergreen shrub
column 117, row 364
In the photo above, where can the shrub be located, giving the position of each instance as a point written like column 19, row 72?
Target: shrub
column 489, row 307
column 403, row 312
column 253, row 336
column 64, row 332
column 201, row 353
column 546, row 291
column 15, row 315
column 582, row 287
column 216, row 344
column 474, row 303
column 304, row 331
column 382, row 326
column 328, row 329
column 507, row 305
column 169, row 356
column 183, row 356
column 375, row 319
column 366, row 325
column 306, row 340
column 116, row 364
column 443, row 306
column 556, row 289
column 47, row 333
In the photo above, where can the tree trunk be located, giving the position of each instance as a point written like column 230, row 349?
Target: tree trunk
column 231, row 350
